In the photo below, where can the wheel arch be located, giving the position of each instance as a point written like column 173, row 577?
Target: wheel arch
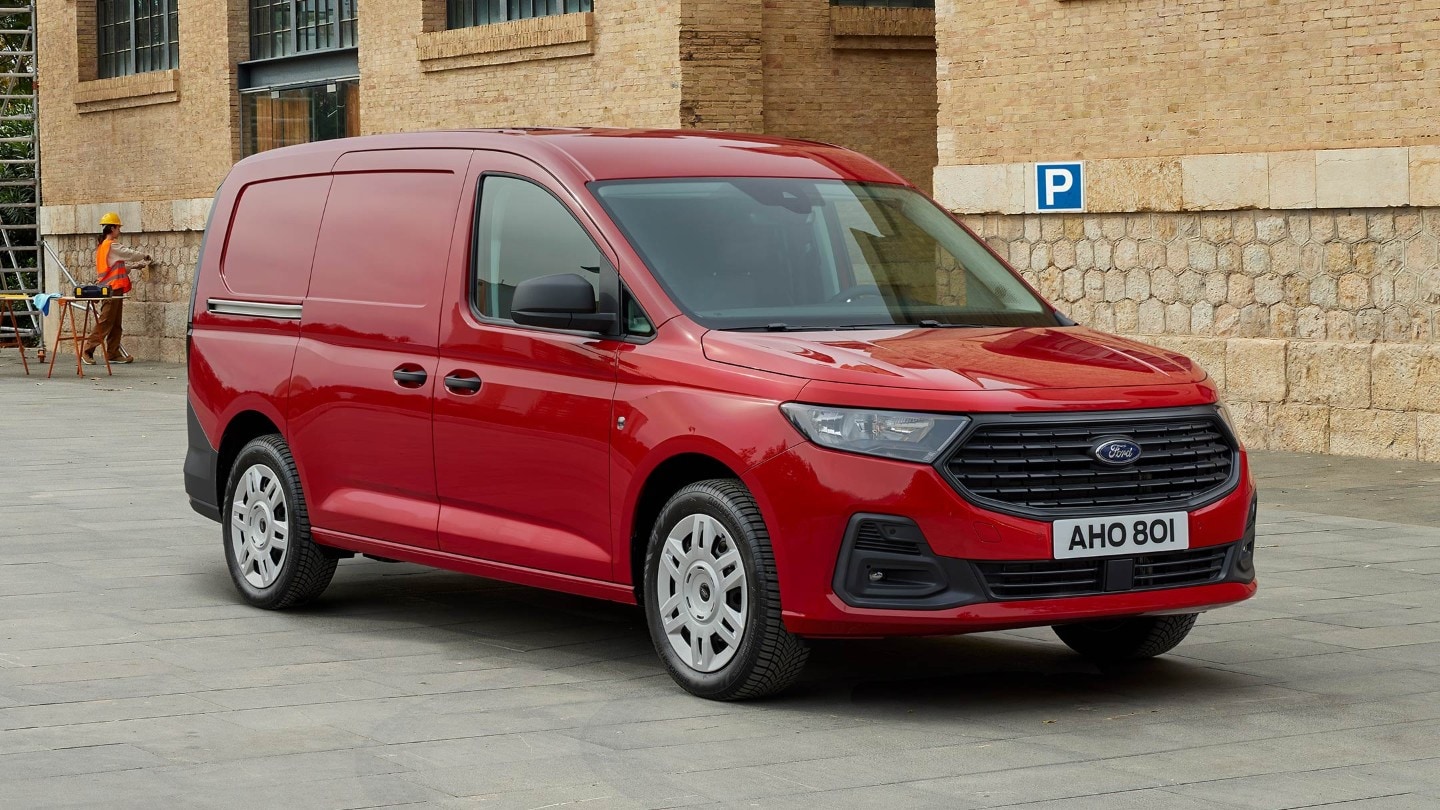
column 667, row 478
column 239, row 431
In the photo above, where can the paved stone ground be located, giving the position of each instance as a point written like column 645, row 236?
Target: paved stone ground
column 131, row 676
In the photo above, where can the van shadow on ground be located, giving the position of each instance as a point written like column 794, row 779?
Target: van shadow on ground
column 455, row 615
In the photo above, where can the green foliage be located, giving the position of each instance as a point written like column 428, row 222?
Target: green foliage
column 17, row 122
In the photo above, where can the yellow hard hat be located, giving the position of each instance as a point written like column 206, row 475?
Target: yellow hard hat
column 111, row 218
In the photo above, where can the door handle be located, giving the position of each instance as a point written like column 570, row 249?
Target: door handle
column 410, row 377
column 462, row 382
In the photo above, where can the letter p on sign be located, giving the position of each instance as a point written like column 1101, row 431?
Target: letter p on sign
column 1060, row 186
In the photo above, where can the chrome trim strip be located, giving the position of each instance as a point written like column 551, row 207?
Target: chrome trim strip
column 256, row 309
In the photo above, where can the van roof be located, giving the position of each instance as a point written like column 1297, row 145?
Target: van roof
column 613, row 154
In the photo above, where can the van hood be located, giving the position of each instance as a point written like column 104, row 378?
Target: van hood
column 957, row 359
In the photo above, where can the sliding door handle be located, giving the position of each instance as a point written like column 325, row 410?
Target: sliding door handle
column 462, row 382
column 410, row 376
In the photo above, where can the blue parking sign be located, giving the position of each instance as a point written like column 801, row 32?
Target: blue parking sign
column 1060, row 186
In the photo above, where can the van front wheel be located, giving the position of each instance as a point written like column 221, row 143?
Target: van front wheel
column 1126, row 639
column 711, row 598
column 272, row 560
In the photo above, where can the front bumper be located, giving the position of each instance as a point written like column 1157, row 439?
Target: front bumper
column 811, row 498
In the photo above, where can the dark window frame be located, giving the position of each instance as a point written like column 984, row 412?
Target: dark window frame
column 470, row 13
column 284, row 28
column 136, row 36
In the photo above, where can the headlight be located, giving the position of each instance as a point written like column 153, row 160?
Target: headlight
column 892, row 434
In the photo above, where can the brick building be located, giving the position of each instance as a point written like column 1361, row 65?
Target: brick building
column 145, row 104
column 1262, row 192
column 1262, row 178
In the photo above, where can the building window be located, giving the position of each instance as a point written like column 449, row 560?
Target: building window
column 289, row 27
column 885, row 3
column 467, row 13
column 274, row 118
column 137, row 36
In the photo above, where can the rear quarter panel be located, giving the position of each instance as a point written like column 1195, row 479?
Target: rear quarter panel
column 242, row 363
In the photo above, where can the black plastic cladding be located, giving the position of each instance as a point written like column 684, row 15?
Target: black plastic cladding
column 1104, row 422
column 920, row 579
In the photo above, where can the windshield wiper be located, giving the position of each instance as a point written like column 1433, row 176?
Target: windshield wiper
column 925, row 324
column 785, row 327
column 933, row 324
column 843, row 327
column 769, row 327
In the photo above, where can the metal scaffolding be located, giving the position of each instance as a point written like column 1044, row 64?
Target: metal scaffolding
column 20, row 270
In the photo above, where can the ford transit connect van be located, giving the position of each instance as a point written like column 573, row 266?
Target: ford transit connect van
column 763, row 388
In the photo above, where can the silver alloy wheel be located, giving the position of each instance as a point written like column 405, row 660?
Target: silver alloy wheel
column 259, row 526
column 700, row 589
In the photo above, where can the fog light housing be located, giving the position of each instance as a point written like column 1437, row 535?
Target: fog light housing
column 1244, row 565
column 885, row 562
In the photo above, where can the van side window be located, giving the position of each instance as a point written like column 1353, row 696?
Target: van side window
column 523, row 232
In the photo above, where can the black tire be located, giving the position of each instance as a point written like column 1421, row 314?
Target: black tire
column 767, row 658
column 1126, row 639
column 304, row 570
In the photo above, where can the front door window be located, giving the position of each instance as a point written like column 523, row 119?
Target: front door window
column 523, row 232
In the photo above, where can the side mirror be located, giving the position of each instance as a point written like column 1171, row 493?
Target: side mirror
column 560, row 301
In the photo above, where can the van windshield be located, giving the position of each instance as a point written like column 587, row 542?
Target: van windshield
column 796, row 254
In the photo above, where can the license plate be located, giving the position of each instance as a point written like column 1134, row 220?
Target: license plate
column 1120, row 535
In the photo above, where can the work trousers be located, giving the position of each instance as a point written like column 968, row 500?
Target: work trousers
column 107, row 329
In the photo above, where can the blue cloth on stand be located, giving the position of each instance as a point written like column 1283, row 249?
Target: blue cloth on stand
column 42, row 302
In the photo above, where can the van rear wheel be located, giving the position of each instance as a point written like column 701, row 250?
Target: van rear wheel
column 273, row 561
column 711, row 598
column 1126, row 639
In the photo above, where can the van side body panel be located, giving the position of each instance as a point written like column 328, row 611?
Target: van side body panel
column 523, row 462
column 363, row 384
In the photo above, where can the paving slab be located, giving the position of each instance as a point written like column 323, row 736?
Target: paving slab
column 131, row 675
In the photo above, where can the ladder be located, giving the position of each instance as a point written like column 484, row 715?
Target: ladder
column 20, row 260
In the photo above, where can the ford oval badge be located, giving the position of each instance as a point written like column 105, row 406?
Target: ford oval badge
column 1118, row 452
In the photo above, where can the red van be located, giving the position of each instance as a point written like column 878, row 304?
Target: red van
column 763, row 388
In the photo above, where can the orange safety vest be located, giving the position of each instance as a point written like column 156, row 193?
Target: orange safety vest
column 117, row 275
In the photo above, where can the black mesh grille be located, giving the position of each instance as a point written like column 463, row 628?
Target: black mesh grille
column 1051, row 579
column 1047, row 466
column 870, row 536
column 1174, row 568
column 1022, row 580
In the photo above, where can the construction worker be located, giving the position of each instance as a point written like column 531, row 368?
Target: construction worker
column 113, row 269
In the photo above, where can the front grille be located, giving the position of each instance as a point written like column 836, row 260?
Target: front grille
column 1052, row 579
column 1044, row 466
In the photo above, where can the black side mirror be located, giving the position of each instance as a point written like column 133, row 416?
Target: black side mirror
column 561, row 301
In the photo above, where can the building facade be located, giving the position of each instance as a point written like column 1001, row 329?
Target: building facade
column 1261, row 192
column 145, row 104
column 1261, row 179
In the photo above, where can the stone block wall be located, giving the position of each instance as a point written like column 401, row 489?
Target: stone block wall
column 1262, row 188
column 158, row 308
column 1321, row 327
